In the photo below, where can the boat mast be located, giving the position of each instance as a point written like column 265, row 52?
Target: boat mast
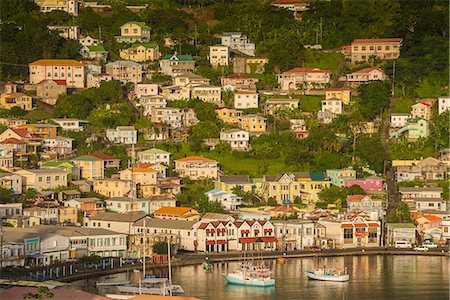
column 170, row 269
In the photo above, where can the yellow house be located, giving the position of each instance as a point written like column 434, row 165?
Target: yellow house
column 146, row 178
column 229, row 115
column 342, row 94
column 141, row 52
column 10, row 100
column 253, row 123
column 68, row 215
column 91, row 167
column 286, row 187
column 113, row 187
column 42, row 179
column 134, row 32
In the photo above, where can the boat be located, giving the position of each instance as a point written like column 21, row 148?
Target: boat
column 207, row 266
column 282, row 260
column 328, row 274
column 152, row 286
column 119, row 296
column 112, row 283
column 251, row 275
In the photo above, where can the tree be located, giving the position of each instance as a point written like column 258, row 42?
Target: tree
column 374, row 157
column 43, row 293
column 400, row 214
column 271, row 202
column 374, row 98
column 331, row 195
column 162, row 248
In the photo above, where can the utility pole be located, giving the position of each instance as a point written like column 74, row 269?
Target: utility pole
column 145, row 250
column 170, row 269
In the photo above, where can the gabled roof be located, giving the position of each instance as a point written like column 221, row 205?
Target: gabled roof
column 430, row 217
column 12, row 141
column 179, row 57
column 368, row 70
column 142, row 24
column 116, row 217
column 154, row 151
column 23, row 133
column 168, row 210
column 357, row 198
column 58, row 82
column 123, row 63
column 196, row 158
column 103, row 156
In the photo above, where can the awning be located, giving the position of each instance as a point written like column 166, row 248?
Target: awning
column 346, row 225
column 221, row 242
column 361, row 225
column 247, row 240
column 269, row 239
column 210, row 242
column 374, row 225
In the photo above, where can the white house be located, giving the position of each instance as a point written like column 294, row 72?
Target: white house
column 443, row 104
column 122, row 135
column 148, row 103
column 300, row 78
column 59, row 144
column 237, row 138
column 228, row 201
column 70, row 124
column 332, row 105
column 365, row 76
column 238, row 41
column 154, row 156
column 146, row 89
column 294, row 234
column 114, row 221
column 399, row 120
column 245, row 99
column 94, row 80
column 89, row 40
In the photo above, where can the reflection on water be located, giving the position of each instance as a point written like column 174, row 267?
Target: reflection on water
column 371, row 277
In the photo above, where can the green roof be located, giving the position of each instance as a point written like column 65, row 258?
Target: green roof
column 400, row 225
column 97, row 48
column 145, row 45
column 87, row 158
column 316, row 176
column 181, row 57
column 56, row 163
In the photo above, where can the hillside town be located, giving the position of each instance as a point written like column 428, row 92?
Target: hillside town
column 135, row 138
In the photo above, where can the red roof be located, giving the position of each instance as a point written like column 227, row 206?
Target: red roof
column 193, row 158
column 356, row 198
column 346, row 47
column 382, row 40
column 431, row 218
column 102, row 155
column 269, row 239
column 368, row 70
column 11, row 141
column 307, row 70
column 425, row 103
column 23, row 133
column 58, row 82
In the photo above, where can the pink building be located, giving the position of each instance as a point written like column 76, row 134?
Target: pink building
column 427, row 222
column 70, row 70
column 371, row 184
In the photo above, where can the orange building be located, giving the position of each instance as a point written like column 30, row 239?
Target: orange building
column 44, row 131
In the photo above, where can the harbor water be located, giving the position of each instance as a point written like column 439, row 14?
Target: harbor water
column 371, row 277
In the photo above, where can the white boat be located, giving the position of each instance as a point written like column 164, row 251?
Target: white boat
column 112, row 283
column 328, row 274
column 119, row 296
column 152, row 286
column 251, row 275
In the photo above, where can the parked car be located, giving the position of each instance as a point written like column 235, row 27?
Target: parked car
column 128, row 260
column 429, row 244
column 421, row 249
column 402, row 244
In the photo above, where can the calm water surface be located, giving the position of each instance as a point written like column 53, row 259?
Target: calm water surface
column 371, row 277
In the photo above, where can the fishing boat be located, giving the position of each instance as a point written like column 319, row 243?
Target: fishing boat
column 112, row 283
column 251, row 275
column 152, row 286
column 328, row 274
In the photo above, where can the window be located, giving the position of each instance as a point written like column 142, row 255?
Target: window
column 348, row 233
